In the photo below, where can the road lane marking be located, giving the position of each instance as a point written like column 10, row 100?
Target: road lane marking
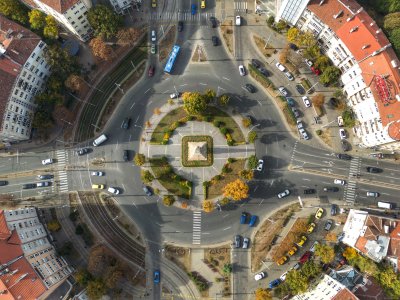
column 226, row 228
column 132, row 105
column 226, row 78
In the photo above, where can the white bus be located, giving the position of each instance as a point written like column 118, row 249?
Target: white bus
column 100, row 140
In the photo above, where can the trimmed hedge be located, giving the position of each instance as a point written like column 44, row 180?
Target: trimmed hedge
column 185, row 151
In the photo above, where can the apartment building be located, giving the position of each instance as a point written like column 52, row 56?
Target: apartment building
column 23, row 74
column 290, row 10
column 121, row 6
column 370, row 68
column 69, row 13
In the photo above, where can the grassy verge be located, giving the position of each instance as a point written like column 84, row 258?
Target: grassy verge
column 289, row 115
column 227, row 34
column 185, row 151
column 306, row 84
column 175, row 184
column 260, row 43
column 166, row 43
column 215, row 259
column 164, row 125
column 219, row 181
column 257, row 75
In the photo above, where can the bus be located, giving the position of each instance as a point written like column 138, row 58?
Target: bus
column 171, row 59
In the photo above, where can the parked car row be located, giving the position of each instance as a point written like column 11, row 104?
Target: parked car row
column 237, row 242
column 244, row 216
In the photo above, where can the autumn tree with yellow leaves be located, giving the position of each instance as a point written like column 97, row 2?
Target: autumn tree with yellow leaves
column 236, row 190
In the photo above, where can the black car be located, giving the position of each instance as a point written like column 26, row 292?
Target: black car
column 250, row 88
column 300, row 89
column 147, row 191
column 256, row 63
column 29, row 186
column 3, row 182
column 214, row 40
column 343, row 156
column 264, row 71
column 295, row 112
column 345, row 145
column 293, row 46
column 180, row 26
column 82, row 151
column 309, row 191
column 373, row 170
column 334, row 209
column 125, row 123
column 331, row 189
column 126, row 155
column 45, row 176
column 213, row 22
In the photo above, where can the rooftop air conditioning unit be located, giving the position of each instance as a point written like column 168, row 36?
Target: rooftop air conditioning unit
column 365, row 47
column 338, row 14
column 353, row 29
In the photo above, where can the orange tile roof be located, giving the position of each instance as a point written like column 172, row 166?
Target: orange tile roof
column 60, row 6
column 394, row 244
column 345, row 294
column 4, row 231
column 360, row 244
column 329, row 8
column 366, row 34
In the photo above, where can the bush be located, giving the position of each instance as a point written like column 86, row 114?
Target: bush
column 246, row 122
column 146, row 176
column 207, row 118
column 230, row 142
column 54, row 225
column 139, row 159
column 217, row 123
column 270, row 20
column 168, row 200
column 318, row 132
column 348, row 118
column 231, row 160
column 252, row 161
column 252, row 136
column 224, row 130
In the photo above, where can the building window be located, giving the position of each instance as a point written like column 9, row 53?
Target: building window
column 80, row 17
column 73, row 22
column 33, row 55
column 41, row 44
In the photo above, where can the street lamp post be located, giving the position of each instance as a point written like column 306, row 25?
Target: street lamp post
column 251, row 129
column 119, row 87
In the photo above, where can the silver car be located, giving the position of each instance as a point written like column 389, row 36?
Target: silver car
column 246, row 242
column 260, row 165
column 283, row 194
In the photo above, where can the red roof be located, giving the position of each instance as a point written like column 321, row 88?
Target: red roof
column 394, row 244
column 345, row 294
column 60, row 6
column 360, row 244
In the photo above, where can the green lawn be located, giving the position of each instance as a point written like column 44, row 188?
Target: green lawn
column 229, row 123
column 185, row 149
column 173, row 116
column 175, row 184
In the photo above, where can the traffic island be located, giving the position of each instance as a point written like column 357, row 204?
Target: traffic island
column 197, row 151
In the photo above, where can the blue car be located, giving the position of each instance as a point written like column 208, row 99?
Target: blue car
column 194, row 8
column 274, row 283
column 243, row 218
column 253, row 221
column 156, row 277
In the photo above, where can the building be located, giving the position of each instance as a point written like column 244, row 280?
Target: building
column 290, row 10
column 69, row 13
column 370, row 69
column 122, row 6
column 23, row 74
column 375, row 236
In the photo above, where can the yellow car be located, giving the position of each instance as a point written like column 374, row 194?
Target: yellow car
column 319, row 213
column 303, row 239
column 203, row 4
column 153, row 3
column 282, row 260
column 98, row 186
column 311, row 228
column 292, row 251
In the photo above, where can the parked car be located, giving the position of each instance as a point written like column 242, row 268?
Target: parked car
column 45, row 176
column 316, row 71
column 260, row 165
column 309, row 62
column 153, row 36
column 296, row 266
column 243, row 218
column 302, row 241
column 331, row 189
column 153, row 48
column 312, row 249
column 246, row 242
column 373, row 194
column 174, row 95
column 153, row 3
column 97, row 173
column 256, row 63
column 29, row 186
column 283, row 276
column 250, row 88
column 306, row 101
column 345, row 145
column 283, row 194
column 293, row 46
column 242, row 70
column 283, row 91
column 180, row 26
column 147, row 191
column 290, row 101
column 339, row 181
column 214, row 40
column 342, row 133
column 305, row 257
column 274, row 283
column 309, row 191
column 334, row 210
column 194, row 9
column 319, row 213
column 340, row 121
column 280, row 67
column 260, row 276
column 98, row 186
column 300, row 89
column 282, row 260
column 311, row 228
column 238, row 20
column 299, row 124
column 237, row 241
column 373, row 170
column 295, row 112
column 3, row 182
column 292, row 251
column 83, row 151
column 304, row 133
column 43, row 184
column 125, row 155
column 47, row 161
column 213, row 22
column 289, row 76
column 343, row 156
column 328, row 225
column 156, row 276
column 113, row 190
column 253, row 221
column 151, row 71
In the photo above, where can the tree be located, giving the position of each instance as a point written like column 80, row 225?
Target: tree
column 227, row 269
column 318, row 100
column 224, row 201
column 322, row 62
column 54, row 225
column 252, row 136
column 270, row 20
column 297, row 282
column 325, row 252
column 101, row 49
column 74, row 82
column 246, row 122
column 146, row 176
column 311, row 269
column 338, row 94
column 307, row 39
column 104, row 21
column 246, row 174
column 96, row 288
column 252, row 162
column 112, row 276
column 51, row 29
column 281, row 25
column 293, row 35
column 348, row 118
column 208, row 206
column 391, row 21
column 223, row 100
column 394, row 38
column 194, row 103
column 312, row 52
column 283, row 56
column 366, row 265
column 330, row 75
column 263, row 294
column 14, row 10
column 139, row 159
column 168, row 200
column 37, row 19
column 62, row 64
column 350, row 253
column 83, row 277
column 42, row 119
column 128, row 36
column 209, row 95
column 236, row 190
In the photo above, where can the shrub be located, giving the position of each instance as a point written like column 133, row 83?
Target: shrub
column 246, row 122
column 223, row 130
column 230, row 142
column 217, row 123
column 270, row 20
column 168, row 200
column 348, row 118
column 207, row 118
column 252, row 161
column 226, row 169
column 224, row 201
column 139, row 159
column 252, row 136
column 231, row 160
column 318, row 132
column 146, row 176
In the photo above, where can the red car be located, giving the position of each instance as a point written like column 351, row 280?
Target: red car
column 306, row 256
column 151, row 71
column 316, row 71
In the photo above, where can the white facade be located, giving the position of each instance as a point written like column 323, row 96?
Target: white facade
column 121, row 6
column 73, row 18
column 19, row 111
column 291, row 10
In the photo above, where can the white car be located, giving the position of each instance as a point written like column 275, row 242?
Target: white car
column 342, row 133
column 260, row 276
column 280, row 67
column 299, row 124
column 283, row 194
column 289, row 75
column 260, row 165
column 43, row 183
column 246, row 242
column 283, row 276
column 309, row 62
column 113, row 190
column 339, row 181
column 47, row 161
column 238, row 20
column 283, row 91
column 242, row 70
column 97, row 173
column 174, row 95
column 153, row 36
column 304, row 133
column 312, row 249
column 306, row 101
column 340, row 121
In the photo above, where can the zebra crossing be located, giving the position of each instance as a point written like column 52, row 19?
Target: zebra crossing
column 350, row 189
column 196, row 228
column 240, row 6
column 181, row 16
column 62, row 159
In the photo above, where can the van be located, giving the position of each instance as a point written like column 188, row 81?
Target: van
column 238, row 20
column 386, row 205
column 253, row 221
column 100, row 140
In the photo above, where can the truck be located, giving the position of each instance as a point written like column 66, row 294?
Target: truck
column 100, row 140
column 386, row 205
